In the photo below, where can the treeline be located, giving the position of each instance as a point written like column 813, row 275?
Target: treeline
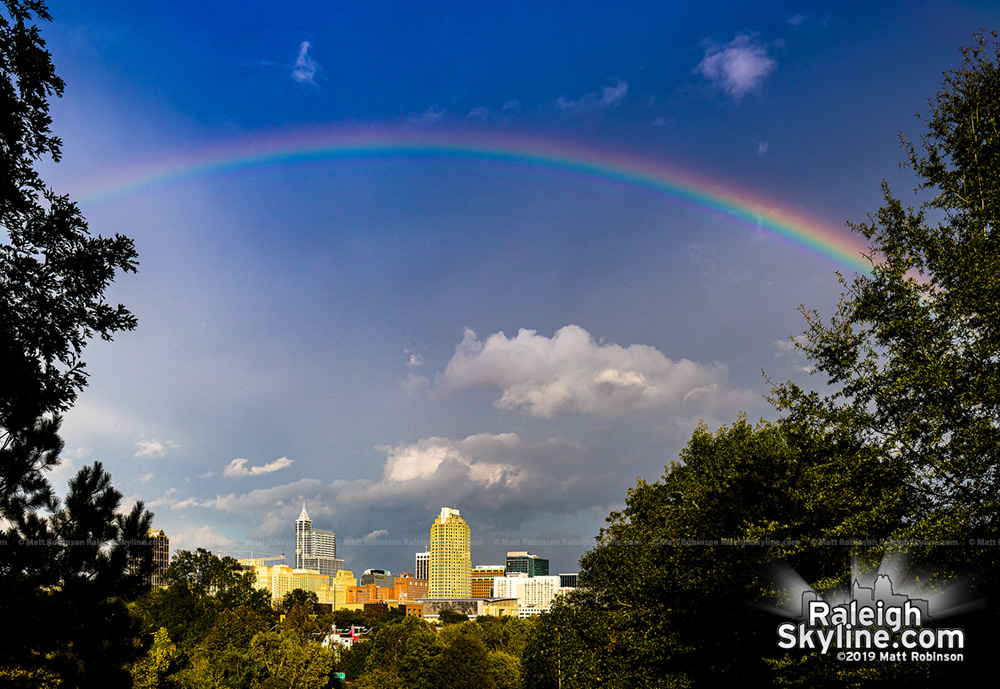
column 209, row 626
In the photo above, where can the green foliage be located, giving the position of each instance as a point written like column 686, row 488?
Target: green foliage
column 451, row 617
column 679, row 572
column 284, row 660
column 506, row 634
column 506, row 670
column 53, row 274
column 199, row 587
column 464, row 663
column 406, row 648
column 205, row 574
column 352, row 661
column 153, row 671
column 913, row 351
column 377, row 678
column 298, row 597
column 71, row 566
column 74, row 567
column 569, row 647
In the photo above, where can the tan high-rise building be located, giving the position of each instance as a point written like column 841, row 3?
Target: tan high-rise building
column 160, row 545
column 451, row 559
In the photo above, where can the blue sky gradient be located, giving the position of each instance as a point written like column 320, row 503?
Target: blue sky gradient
column 383, row 335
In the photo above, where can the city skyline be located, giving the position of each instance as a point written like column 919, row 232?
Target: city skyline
column 393, row 258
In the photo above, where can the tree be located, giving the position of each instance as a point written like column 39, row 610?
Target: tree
column 568, row 648
column 506, row 670
column 160, row 662
column 284, row 660
column 406, row 648
column 674, row 586
column 912, row 353
column 299, row 597
column 199, row 586
column 464, row 663
column 53, row 275
column 913, row 350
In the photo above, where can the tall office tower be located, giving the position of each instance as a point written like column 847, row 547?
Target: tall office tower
column 523, row 561
column 423, row 570
column 161, row 558
column 315, row 549
column 451, row 559
column 303, row 537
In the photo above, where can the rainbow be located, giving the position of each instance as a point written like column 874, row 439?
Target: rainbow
column 685, row 186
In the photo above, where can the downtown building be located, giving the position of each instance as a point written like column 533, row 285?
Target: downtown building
column 523, row 561
column 534, row 595
column 315, row 549
column 451, row 557
column 159, row 545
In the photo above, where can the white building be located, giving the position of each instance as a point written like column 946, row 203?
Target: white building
column 536, row 593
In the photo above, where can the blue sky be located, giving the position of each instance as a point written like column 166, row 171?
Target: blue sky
column 383, row 336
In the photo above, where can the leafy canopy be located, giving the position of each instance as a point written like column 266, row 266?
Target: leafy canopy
column 913, row 351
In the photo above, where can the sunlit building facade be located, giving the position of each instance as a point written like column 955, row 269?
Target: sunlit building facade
column 451, row 558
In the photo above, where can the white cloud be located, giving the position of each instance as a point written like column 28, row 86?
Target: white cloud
column 478, row 113
column 429, row 116
column 305, row 66
column 377, row 533
column 612, row 96
column 513, row 106
column 570, row 371
column 422, row 459
column 607, row 97
column 238, row 469
column 153, row 448
column 414, row 384
column 201, row 537
column 145, row 478
column 739, row 67
column 504, row 478
column 762, row 148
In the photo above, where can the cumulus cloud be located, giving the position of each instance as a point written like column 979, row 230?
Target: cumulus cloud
column 570, row 371
column 606, row 97
column 305, row 66
column 506, row 478
column 423, row 459
column 153, row 449
column 377, row 533
column 238, row 467
column 738, row 67
column 201, row 537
